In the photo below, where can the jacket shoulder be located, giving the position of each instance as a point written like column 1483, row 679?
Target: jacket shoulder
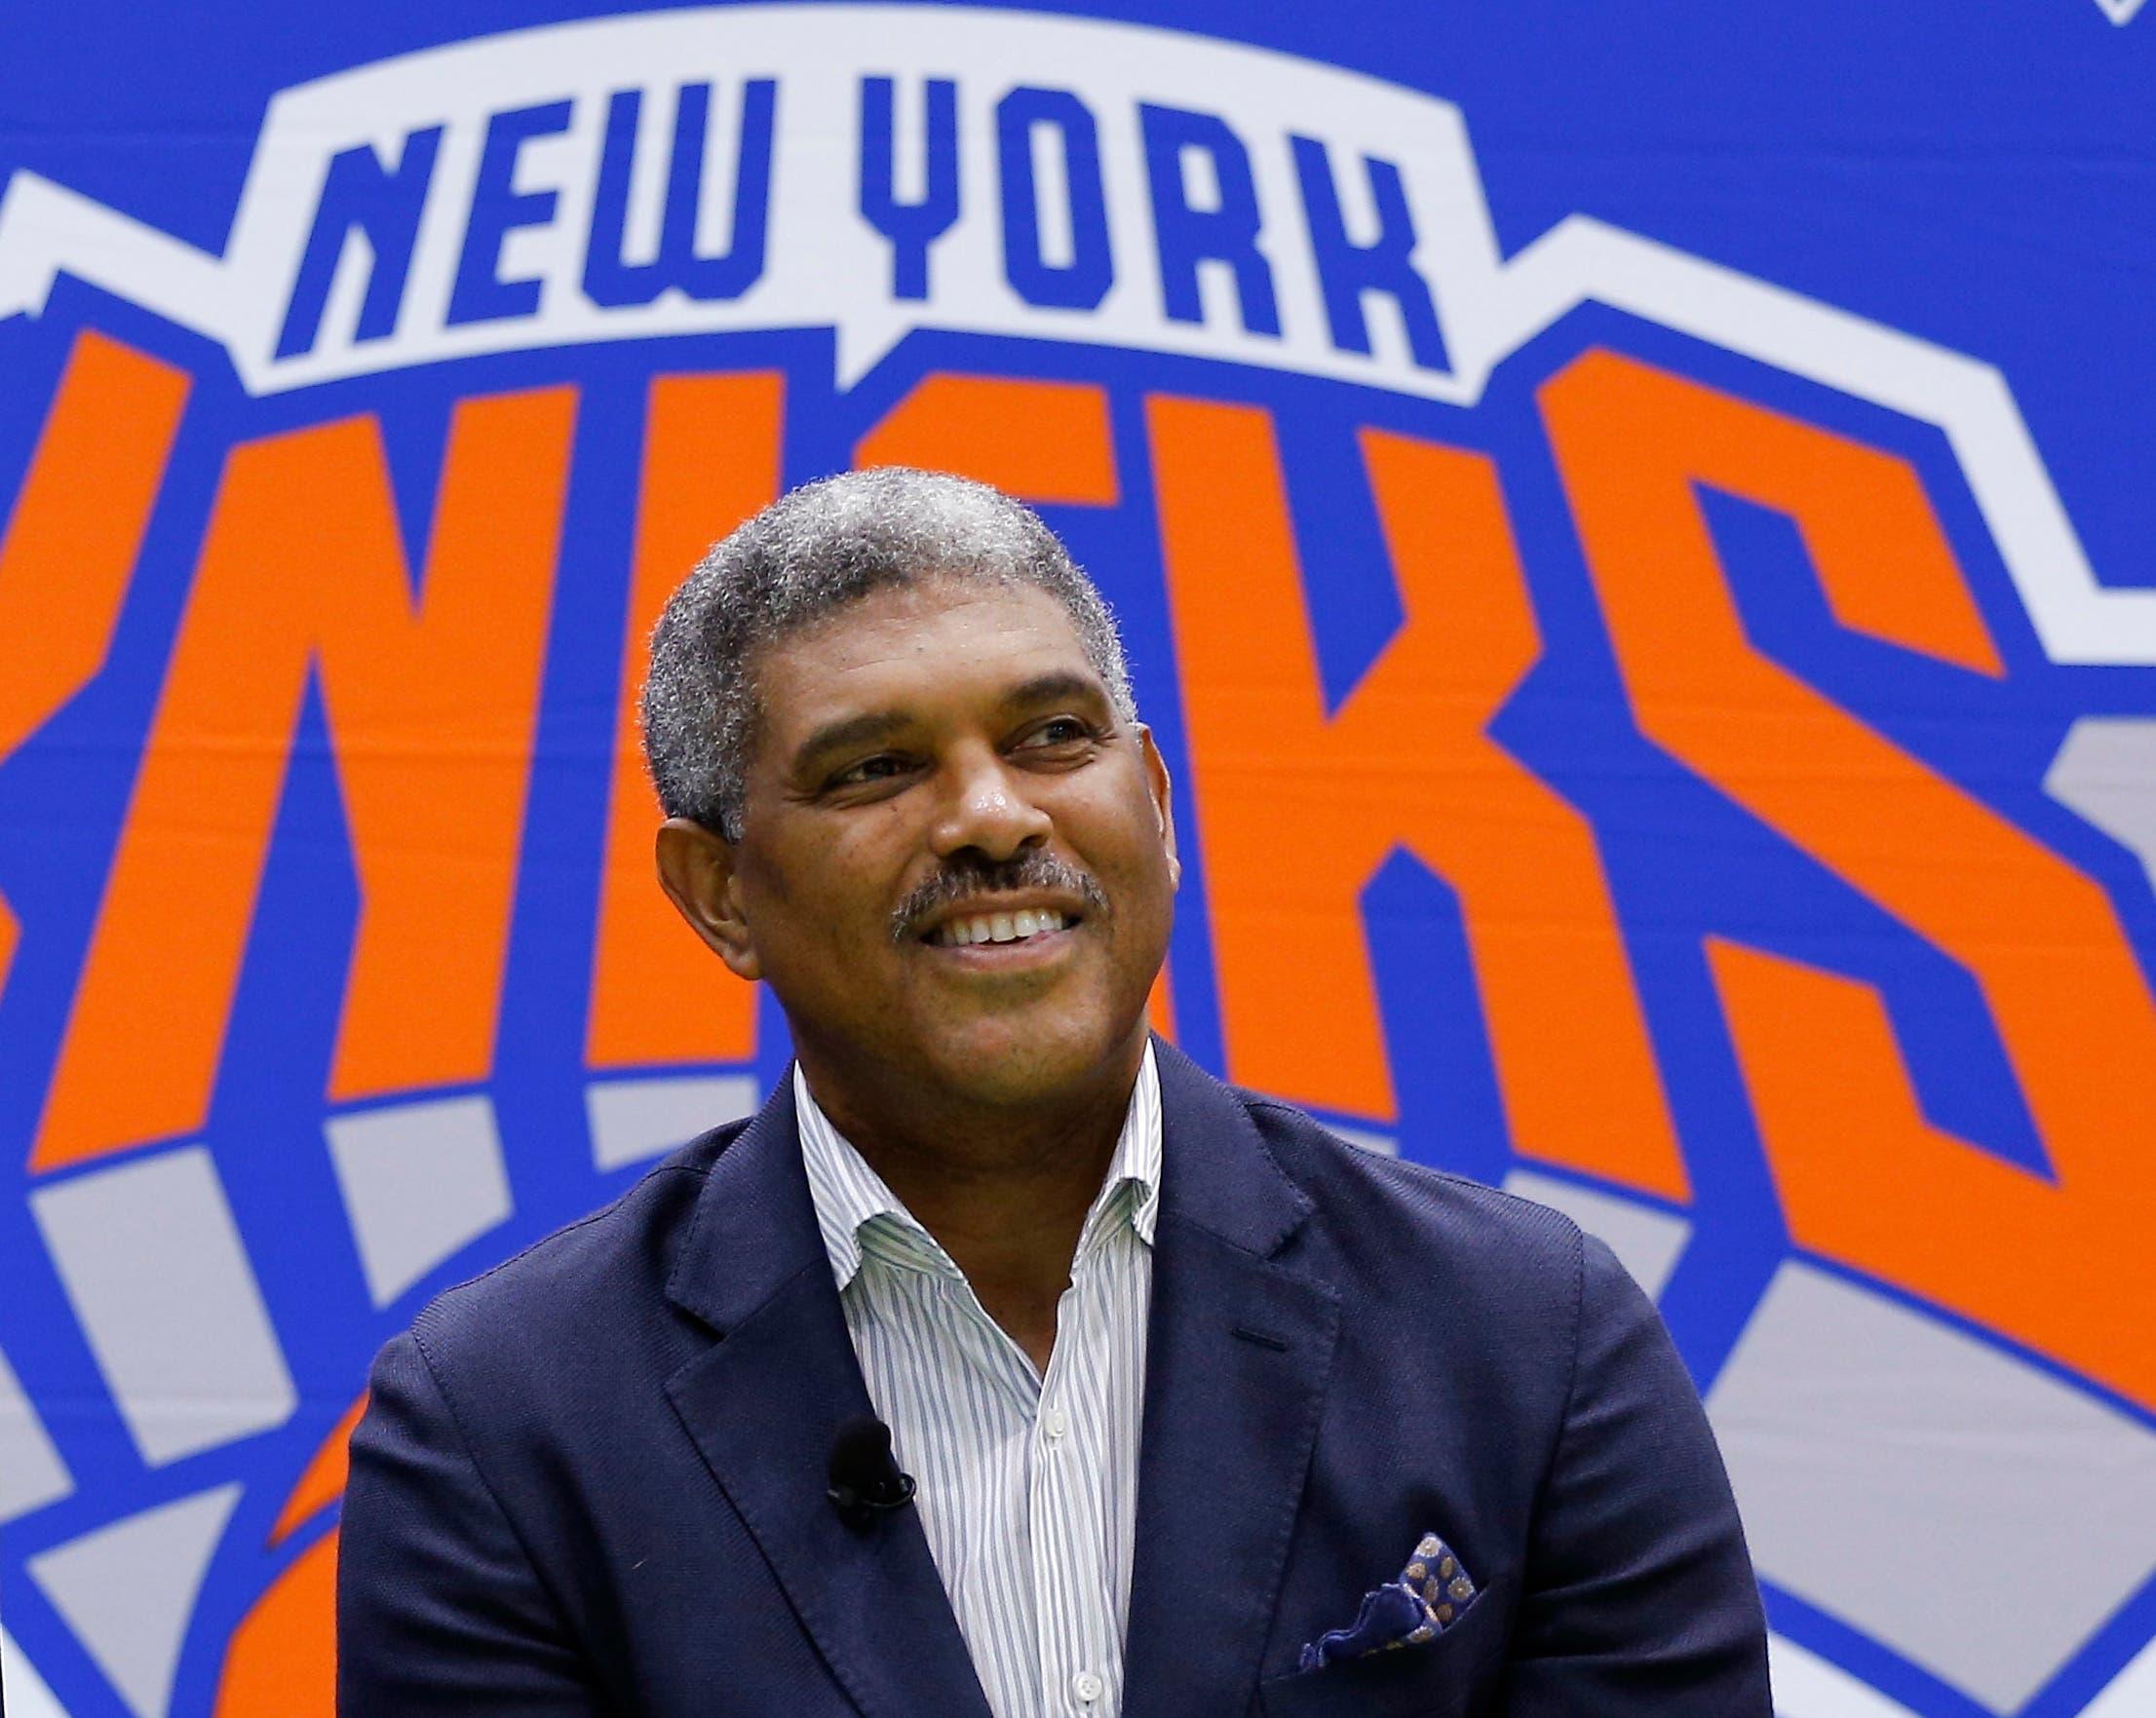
column 593, row 1283
column 1385, row 1218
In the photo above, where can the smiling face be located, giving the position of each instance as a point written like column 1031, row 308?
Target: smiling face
column 956, row 865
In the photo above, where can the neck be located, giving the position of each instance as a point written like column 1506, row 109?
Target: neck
column 1004, row 1190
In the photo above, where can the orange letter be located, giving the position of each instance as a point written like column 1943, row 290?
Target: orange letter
column 1404, row 763
column 1043, row 442
column 2063, row 1264
column 281, row 1661
column 71, row 545
column 431, row 707
column 657, row 994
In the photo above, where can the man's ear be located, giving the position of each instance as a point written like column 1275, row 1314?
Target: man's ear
column 1164, row 800
column 696, row 869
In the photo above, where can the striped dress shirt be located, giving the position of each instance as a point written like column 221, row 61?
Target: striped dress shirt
column 1028, row 1485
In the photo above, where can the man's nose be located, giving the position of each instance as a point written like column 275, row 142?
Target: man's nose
column 987, row 809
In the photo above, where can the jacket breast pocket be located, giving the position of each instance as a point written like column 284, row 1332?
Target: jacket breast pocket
column 1450, row 1677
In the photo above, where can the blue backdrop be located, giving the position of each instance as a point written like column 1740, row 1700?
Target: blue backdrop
column 1629, row 527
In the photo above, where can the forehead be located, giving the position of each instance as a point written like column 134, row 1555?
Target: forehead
column 936, row 642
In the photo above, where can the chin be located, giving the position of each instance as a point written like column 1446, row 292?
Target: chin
column 1019, row 1061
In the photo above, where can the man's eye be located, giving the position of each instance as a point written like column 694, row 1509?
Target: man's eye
column 1061, row 733
column 880, row 768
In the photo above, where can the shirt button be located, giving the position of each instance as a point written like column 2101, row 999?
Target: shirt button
column 1054, row 1423
column 1086, row 1687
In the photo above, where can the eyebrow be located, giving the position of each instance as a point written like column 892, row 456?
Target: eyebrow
column 1057, row 684
column 847, row 730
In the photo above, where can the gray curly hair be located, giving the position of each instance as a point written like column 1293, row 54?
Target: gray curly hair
column 814, row 551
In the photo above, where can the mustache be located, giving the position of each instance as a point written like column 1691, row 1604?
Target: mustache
column 964, row 880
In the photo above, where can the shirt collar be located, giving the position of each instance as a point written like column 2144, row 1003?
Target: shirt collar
column 857, row 1212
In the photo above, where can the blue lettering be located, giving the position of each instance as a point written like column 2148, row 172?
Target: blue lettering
column 612, row 282
column 1084, row 280
column 384, row 203
column 1347, row 270
column 499, row 208
column 911, row 227
column 1187, row 236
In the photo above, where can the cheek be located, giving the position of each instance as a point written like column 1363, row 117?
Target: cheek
column 1129, row 859
column 835, row 888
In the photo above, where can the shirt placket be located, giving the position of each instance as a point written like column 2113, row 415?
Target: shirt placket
column 1079, row 1674
column 999, row 1360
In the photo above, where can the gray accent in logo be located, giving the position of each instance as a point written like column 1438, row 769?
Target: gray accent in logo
column 152, row 1262
column 32, row 1472
column 1973, row 1514
column 128, row 1589
column 420, row 1181
column 636, row 1119
column 2106, row 773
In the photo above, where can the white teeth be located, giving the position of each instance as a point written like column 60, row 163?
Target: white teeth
column 1000, row 927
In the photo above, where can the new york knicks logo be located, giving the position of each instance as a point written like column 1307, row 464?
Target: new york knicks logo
column 1643, row 736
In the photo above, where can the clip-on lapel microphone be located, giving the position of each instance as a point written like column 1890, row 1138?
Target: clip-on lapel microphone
column 865, row 1478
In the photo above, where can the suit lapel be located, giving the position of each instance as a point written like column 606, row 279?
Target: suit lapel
column 761, row 1405
column 1239, row 1351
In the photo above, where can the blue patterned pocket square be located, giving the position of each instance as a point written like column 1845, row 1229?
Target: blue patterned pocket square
column 1424, row 1600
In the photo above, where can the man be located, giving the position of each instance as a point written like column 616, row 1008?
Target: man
column 1209, row 1413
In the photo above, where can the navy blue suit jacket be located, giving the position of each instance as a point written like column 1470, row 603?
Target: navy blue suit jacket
column 592, row 1482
